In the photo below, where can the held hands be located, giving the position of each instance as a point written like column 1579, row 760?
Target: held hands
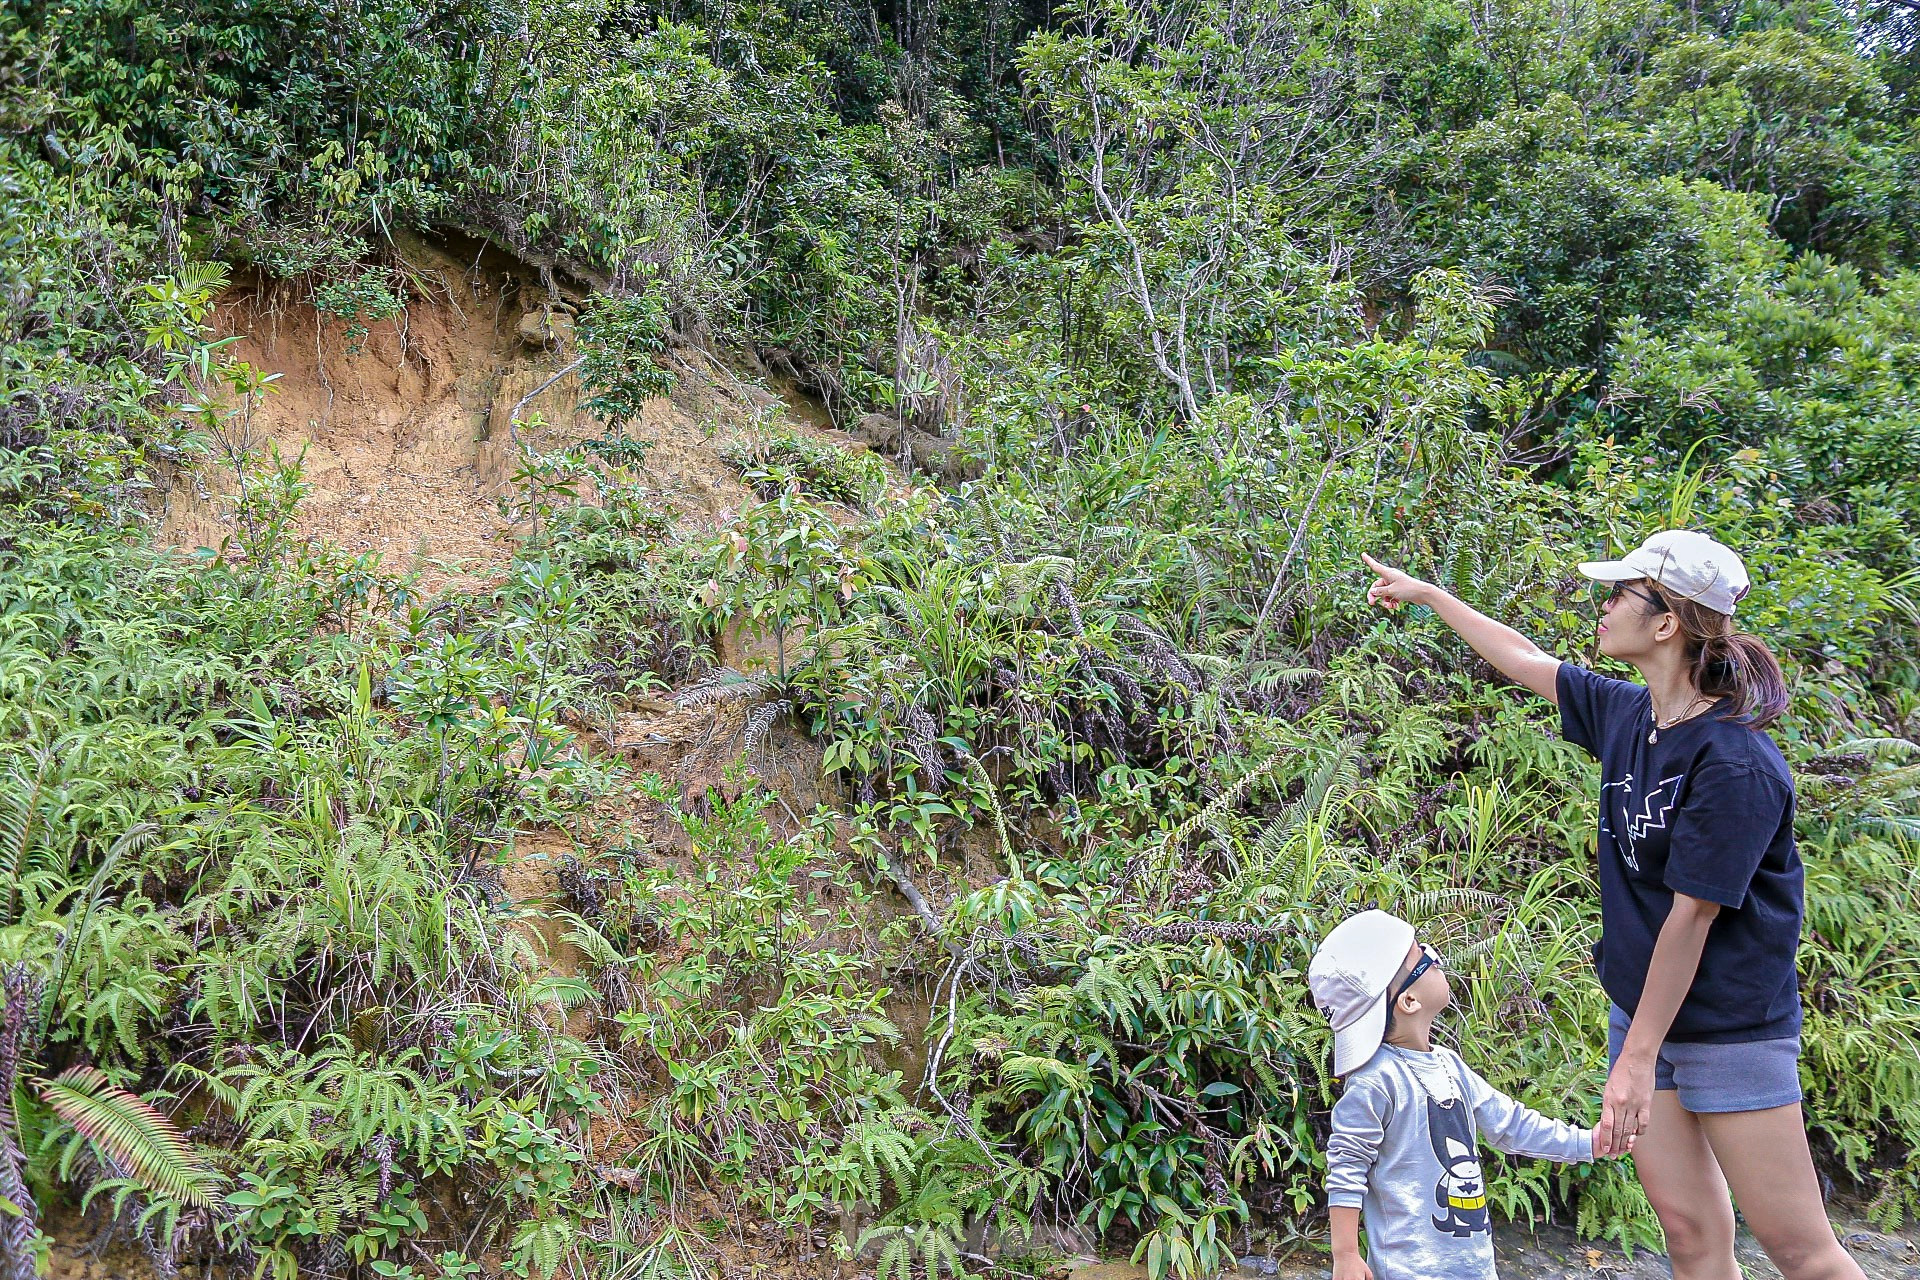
column 1625, row 1107
column 1600, row 1146
column 1392, row 587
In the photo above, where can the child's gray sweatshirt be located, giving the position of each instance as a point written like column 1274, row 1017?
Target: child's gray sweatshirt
column 1404, row 1153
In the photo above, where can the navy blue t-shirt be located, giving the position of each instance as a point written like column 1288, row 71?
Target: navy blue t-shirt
column 1706, row 811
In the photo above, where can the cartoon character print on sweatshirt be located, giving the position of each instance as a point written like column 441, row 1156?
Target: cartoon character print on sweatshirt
column 1461, row 1194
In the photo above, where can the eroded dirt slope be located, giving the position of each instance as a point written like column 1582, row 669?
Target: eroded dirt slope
column 409, row 433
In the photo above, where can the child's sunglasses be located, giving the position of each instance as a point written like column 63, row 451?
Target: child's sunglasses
column 1429, row 958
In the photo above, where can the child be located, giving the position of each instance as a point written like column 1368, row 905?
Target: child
column 1403, row 1148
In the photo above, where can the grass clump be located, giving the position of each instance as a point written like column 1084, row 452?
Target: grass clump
column 833, row 473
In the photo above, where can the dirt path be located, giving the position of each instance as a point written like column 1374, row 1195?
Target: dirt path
column 1554, row 1252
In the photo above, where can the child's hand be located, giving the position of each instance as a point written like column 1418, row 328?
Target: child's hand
column 1351, row 1266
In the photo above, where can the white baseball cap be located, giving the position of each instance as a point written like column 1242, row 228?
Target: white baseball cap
column 1687, row 564
column 1350, row 975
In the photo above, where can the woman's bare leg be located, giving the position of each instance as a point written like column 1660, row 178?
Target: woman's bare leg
column 1771, row 1171
column 1688, row 1193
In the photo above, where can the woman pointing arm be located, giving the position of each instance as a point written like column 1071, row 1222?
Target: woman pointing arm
column 1512, row 654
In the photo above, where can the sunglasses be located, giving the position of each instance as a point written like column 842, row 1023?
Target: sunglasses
column 1619, row 589
column 1429, row 959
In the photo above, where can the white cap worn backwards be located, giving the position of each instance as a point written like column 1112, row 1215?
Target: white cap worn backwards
column 1349, row 977
column 1686, row 564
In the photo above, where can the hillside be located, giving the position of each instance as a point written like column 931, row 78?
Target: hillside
column 709, row 642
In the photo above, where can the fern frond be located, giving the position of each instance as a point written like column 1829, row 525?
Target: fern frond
column 1905, row 825
column 883, row 1151
column 1023, row 576
column 1451, row 902
column 1887, row 748
column 1211, row 665
column 599, row 951
column 1220, row 804
column 973, row 765
column 1267, row 675
column 760, row 723
column 132, row 1136
column 19, row 807
column 568, row 993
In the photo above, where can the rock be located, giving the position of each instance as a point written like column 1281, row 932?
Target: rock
column 880, row 431
column 941, row 457
column 1090, row 1268
column 647, row 704
column 935, row 455
column 1259, row 1267
column 545, row 327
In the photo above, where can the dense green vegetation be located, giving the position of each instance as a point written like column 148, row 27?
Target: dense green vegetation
column 1216, row 295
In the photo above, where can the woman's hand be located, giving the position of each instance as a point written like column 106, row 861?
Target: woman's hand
column 1518, row 658
column 1626, row 1106
column 1392, row 588
column 1599, row 1145
column 1627, row 1103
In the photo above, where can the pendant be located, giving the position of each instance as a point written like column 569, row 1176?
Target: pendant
column 1653, row 735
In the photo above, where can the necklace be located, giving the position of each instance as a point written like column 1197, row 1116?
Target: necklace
column 1432, row 1074
column 1653, row 734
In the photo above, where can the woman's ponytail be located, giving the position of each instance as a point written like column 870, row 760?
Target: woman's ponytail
column 1732, row 664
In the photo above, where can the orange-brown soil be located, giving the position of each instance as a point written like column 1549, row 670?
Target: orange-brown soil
column 410, row 437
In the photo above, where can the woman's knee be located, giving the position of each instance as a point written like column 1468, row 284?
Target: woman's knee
column 1806, row 1256
column 1695, row 1227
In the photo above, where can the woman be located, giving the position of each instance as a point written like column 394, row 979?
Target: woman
column 1701, row 898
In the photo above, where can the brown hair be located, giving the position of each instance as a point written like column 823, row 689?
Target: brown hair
column 1727, row 663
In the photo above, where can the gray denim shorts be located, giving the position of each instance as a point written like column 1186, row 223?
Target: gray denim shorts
column 1752, row 1076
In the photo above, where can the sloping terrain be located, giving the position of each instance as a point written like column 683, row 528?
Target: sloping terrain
column 412, row 434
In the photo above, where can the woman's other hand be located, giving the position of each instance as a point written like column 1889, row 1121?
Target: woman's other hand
column 1393, row 587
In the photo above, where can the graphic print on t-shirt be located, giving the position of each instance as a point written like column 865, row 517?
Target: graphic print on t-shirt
column 1461, row 1193
column 1654, row 808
